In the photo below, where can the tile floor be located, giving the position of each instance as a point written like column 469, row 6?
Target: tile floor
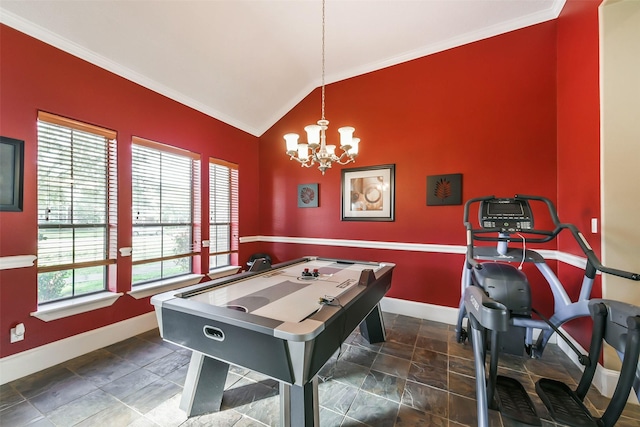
column 419, row 377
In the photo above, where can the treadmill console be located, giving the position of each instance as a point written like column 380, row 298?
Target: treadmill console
column 509, row 215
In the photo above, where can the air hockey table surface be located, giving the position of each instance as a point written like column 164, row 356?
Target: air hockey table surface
column 284, row 322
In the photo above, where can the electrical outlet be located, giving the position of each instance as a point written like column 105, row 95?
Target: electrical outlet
column 17, row 333
column 594, row 225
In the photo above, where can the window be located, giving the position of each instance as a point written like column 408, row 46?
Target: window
column 76, row 208
column 166, row 211
column 223, row 212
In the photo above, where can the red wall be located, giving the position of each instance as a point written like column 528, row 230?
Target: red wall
column 486, row 110
column 579, row 138
column 516, row 113
column 36, row 76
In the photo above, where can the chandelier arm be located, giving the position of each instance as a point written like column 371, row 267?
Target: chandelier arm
column 341, row 162
column 352, row 157
column 304, row 163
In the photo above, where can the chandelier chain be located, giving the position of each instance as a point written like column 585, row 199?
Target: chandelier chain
column 323, row 25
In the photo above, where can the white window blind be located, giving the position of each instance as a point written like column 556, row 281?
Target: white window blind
column 77, row 193
column 223, row 212
column 165, row 209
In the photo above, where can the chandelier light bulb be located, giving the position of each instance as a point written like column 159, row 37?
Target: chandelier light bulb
column 331, row 150
column 353, row 151
column 303, row 151
column 292, row 142
column 346, row 136
column 313, row 134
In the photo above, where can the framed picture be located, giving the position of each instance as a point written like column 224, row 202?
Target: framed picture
column 444, row 189
column 368, row 194
column 11, row 174
column 308, row 195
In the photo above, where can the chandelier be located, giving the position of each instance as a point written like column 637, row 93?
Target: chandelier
column 316, row 149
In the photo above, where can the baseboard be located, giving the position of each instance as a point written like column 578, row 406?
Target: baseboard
column 421, row 310
column 36, row 359
column 39, row 358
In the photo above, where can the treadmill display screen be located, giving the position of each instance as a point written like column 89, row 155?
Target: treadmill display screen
column 507, row 215
column 509, row 209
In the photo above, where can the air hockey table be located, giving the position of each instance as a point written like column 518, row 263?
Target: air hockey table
column 284, row 322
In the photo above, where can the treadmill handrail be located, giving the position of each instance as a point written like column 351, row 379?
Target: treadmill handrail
column 489, row 313
column 593, row 262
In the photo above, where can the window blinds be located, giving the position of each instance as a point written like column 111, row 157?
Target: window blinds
column 76, row 184
column 165, row 206
column 223, row 212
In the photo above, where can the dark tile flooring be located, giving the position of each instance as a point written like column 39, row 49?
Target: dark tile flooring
column 419, row 377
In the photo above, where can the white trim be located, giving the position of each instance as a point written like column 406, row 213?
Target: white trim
column 71, row 307
column 535, row 18
column 148, row 289
column 17, row 261
column 421, row 310
column 126, row 251
column 36, row 359
column 39, row 358
column 483, row 33
column 40, row 33
column 82, row 52
column 371, row 244
column 435, row 313
column 567, row 258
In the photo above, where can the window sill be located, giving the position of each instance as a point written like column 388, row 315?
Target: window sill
column 58, row 310
column 217, row 273
column 142, row 291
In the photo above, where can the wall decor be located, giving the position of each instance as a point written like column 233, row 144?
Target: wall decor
column 308, row 195
column 11, row 174
column 444, row 189
column 368, row 193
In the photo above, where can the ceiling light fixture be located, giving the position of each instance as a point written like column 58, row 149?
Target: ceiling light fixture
column 316, row 149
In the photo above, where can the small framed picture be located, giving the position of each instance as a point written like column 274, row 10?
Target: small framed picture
column 444, row 189
column 308, row 195
column 11, row 174
column 368, row 194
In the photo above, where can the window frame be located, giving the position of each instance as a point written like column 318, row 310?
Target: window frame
column 109, row 242
column 194, row 224
column 234, row 189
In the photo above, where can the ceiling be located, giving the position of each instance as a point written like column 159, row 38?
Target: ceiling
column 247, row 63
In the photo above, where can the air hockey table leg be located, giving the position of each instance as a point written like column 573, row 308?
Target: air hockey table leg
column 204, row 385
column 299, row 405
column 372, row 327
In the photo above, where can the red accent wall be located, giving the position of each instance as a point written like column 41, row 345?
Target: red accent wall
column 36, row 76
column 579, row 139
column 515, row 113
column 486, row 110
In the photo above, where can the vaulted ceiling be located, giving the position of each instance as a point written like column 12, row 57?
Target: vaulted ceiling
column 248, row 62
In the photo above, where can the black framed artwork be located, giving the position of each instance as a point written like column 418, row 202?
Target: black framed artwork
column 368, row 193
column 11, row 174
column 444, row 189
